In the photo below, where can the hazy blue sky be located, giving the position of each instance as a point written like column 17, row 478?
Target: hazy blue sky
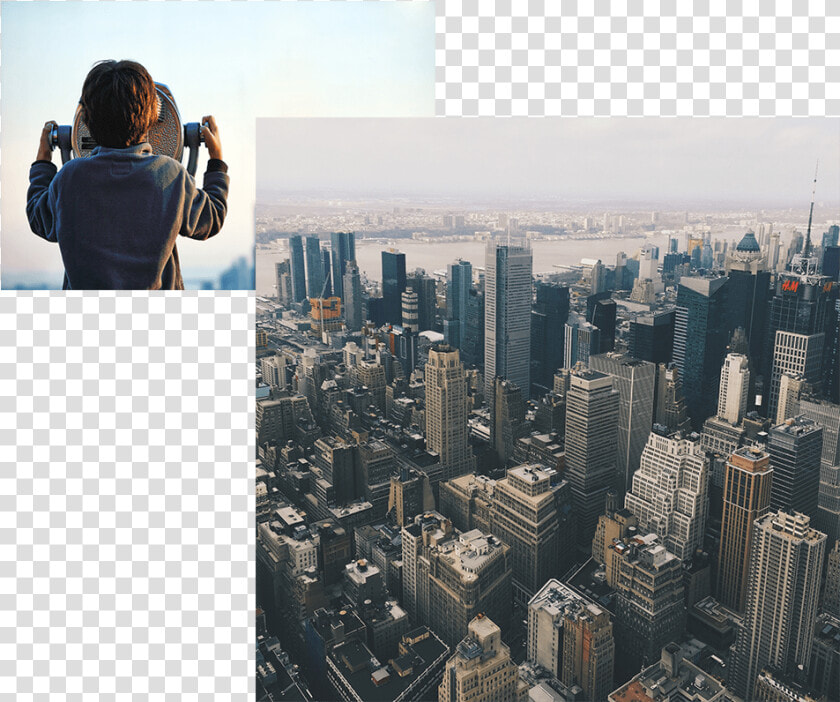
column 763, row 161
column 237, row 61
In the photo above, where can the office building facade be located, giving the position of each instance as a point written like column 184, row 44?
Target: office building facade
column 746, row 497
column 786, row 559
column 507, row 316
column 591, row 420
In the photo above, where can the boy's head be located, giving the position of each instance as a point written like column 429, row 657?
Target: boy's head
column 119, row 103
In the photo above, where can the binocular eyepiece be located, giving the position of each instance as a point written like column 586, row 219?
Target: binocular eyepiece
column 168, row 135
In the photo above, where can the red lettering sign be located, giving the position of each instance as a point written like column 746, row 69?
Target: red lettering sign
column 790, row 285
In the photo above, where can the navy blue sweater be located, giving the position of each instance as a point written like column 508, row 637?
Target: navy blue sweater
column 117, row 214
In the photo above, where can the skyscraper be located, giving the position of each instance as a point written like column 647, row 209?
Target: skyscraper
column 461, row 576
column 669, row 409
column 447, row 432
column 802, row 303
column 481, row 669
column 393, row 285
column 782, row 597
column 426, row 289
column 458, row 284
column 326, row 271
column 746, row 497
column 507, row 317
column 734, row 388
column 651, row 337
column 650, row 611
column 314, row 267
column 507, row 418
column 795, row 448
column 343, row 250
column 548, row 316
column 601, row 312
column 410, row 310
column 473, row 354
column 353, row 315
column 794, row 354
column 298, row 271
column 581, row 340
column 749, row 293
column 283, row 281
column 670, row 492
column 635, row 381
column 524, row 515
column 591, row 419
column 701, row 333
column 572, row 638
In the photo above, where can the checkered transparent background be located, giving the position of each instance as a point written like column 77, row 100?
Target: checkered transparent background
column 638, row 57
column 127, row 445
column 126, row 419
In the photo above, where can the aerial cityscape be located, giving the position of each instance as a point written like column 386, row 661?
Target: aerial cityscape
column 547, row 451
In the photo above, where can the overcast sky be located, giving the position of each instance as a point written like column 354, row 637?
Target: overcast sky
column 237, row 61
column 765, row 162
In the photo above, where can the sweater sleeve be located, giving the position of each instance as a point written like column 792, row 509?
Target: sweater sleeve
column 205, row 209
column 39, row 200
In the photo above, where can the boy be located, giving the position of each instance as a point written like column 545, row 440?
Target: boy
column 116, row 215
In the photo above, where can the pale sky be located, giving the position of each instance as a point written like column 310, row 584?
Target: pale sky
column 237, row 61
column 766, row 162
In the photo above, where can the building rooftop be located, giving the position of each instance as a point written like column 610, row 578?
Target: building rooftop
column 672, row 678
column 375, row 681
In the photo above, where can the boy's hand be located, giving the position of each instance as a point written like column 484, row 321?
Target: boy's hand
column 45, row 148
column 210, row 132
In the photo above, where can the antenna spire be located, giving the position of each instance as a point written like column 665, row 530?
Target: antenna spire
column 807, row 251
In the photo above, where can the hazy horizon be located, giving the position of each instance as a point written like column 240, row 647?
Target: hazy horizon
column 708, row 163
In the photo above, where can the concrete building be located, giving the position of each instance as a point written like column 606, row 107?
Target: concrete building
column 343, row 250
column 410, row 310
column 831, row 593
column 524, row 515
column 508, row 291
column 450, row 576
column 746, row 498
column 529, row 509
column 409, row 495
column 650, row 609
column 572, row 638
column 447, row 430
column 670, row 494
column 591, row 419
column 276, row 419
column 635, row 381
column 669, row 409
column 824, row 669
column 795, row 449
column 353, row 308
column 673, row 678
column 458, row 285
column 298, row 273
column 734, row 388
column 794, row 354
column 827, row 415
column 786, row 559
column 507, row 419
column 481, row 669
column 314, row 267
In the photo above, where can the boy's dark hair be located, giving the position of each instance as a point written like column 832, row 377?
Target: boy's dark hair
column 119, row 103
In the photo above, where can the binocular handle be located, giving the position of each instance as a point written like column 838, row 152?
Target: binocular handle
column 193, row 139
column 61, row 136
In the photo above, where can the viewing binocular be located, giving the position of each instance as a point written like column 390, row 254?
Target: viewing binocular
column 168, row 135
